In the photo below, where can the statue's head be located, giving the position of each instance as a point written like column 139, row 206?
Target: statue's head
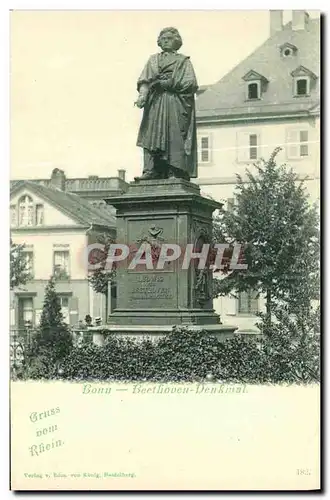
column 169, row 39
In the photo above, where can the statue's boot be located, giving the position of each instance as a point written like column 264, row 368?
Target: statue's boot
column 175, row 173
column 146, row 176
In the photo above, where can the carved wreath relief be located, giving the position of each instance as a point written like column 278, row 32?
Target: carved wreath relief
column 154, row 239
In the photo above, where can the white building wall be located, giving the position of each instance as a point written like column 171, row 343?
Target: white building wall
column 228, row 156
column 43, row 244
column 229, row 147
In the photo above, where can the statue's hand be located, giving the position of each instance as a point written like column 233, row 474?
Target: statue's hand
column 164, row 84
column 140, row 102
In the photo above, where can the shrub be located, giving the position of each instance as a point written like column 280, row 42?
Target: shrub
column 291, row 345
column 184, row 355
column 51, row 342
column 38, row 367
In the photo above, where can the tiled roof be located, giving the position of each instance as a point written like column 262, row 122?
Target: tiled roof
column 227, row 97
column 75, row 206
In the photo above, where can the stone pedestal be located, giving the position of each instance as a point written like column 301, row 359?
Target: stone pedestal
column 157, row 212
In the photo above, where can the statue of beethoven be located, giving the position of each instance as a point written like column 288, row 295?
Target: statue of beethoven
column 167, row 134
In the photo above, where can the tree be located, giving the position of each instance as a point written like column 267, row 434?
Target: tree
column 19, row 274
column 279, row 231
column 53, row 339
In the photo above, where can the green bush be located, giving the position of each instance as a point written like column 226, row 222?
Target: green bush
column 51, row 342
column 184, row 355
column 55, row 341
column 291, row 346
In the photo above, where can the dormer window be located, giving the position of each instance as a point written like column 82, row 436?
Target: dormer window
column 303, row 80
column 254, row 90
column 302, row 86
column 288, row 50
column 256, row 84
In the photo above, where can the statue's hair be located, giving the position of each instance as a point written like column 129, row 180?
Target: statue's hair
column 177, row 37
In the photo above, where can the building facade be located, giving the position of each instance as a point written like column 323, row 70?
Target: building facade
column 56, row 228
column 270, row 99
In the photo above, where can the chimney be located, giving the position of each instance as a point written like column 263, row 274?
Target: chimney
column 122, row 174
column 58, row 179
column 276, row 21
column 299, row 20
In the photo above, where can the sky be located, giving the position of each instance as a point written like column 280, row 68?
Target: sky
column 74, row 73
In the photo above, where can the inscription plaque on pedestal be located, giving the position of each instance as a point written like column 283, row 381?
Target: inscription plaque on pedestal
column 149, row 289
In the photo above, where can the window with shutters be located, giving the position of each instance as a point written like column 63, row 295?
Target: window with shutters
column 248, row 302
column 37, row 316
column 253, row 140
column 303, row 147
column 64, row 301
column 248, row 146
column 230, row 204
column 297, row 144
column 61, row 264
column 204, row 149
column 25, row 311
column 13, row 215
column 28, row 310
column 29, row 263
column 39, row 215
column 12, row 316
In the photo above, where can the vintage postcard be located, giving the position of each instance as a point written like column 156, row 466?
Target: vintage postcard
column 164, row 250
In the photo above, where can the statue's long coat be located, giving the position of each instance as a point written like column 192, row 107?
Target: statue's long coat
column 168, row 125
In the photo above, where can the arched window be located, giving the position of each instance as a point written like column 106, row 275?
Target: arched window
column 29, row 213
column 25, row 211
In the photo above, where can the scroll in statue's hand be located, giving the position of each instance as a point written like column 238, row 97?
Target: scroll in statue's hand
column 143, row 94
column 164, row 84
column 140, row 102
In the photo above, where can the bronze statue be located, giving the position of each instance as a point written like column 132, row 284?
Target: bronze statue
column 167, row 134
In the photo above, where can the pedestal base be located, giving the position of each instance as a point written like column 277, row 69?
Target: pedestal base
column 153, row 332
column 163, row 317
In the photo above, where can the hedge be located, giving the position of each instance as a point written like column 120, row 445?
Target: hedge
column 184, row 355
